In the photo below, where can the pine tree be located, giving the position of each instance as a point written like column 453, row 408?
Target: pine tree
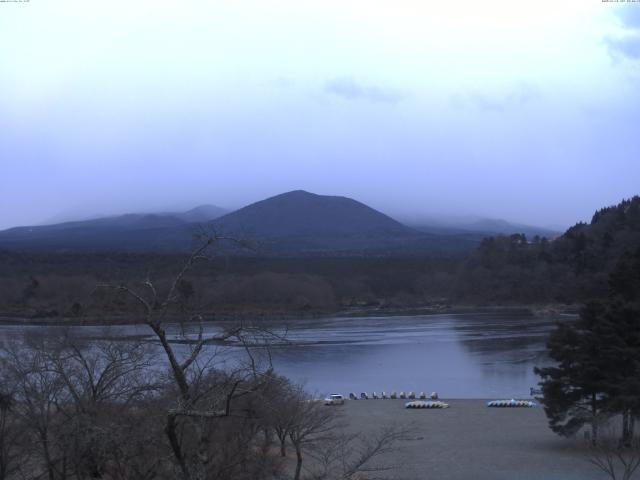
column 623, row 345
column 597, row 370
column 575, row 389
column 621, row 350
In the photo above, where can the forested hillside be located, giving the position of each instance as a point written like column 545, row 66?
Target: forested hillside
column 572, row 267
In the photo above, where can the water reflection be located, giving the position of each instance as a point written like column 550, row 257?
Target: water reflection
column 481, row 355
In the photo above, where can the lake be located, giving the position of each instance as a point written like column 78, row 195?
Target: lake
column 471, row 355
column 458, row 356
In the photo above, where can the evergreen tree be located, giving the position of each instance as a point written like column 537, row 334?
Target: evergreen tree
column 574, row 390
column 621, row 351
column 623, row 345
column 597, row 370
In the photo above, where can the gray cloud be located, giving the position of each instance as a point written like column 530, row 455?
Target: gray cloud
column 630, row 16
column 349, row 89
column 518, row 95
column 627, row 45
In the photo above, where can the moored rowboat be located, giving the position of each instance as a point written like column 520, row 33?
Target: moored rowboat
column 427, row 404
column 511, row 403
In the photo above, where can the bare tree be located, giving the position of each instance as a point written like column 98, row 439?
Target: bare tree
column 347, row 456
column 100, row 378
column 92, row 408
column 616, row 459
column 280, row 400
column 11, row 437
column 38, row 394
column 311, row 422
column 79, row 404
column 204, row 394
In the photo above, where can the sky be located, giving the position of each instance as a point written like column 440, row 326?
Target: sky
column 521, row 110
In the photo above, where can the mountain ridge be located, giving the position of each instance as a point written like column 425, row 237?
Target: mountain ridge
column 292, row 223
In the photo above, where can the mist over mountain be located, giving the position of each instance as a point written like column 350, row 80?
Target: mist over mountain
column 486, row 226
column 498, row 226
column 292, row 223
column 201, row 213
column 128, row 232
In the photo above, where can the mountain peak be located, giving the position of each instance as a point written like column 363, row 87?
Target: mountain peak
column 202, row 213
column 298, row 192
column 297, row 195
column 305, row 196
column 319, row 220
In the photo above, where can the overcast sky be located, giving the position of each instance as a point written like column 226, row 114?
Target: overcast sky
column 523, row 110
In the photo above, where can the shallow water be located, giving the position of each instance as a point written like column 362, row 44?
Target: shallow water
column 478, row 355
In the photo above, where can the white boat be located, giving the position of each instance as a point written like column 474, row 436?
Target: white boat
column 426, row 404
column 512, row 403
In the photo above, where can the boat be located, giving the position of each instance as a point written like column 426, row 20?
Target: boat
column 426, row 404
column 513, row 403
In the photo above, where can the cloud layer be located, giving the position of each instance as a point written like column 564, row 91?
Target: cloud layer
column 498, row 108
column 349, row 89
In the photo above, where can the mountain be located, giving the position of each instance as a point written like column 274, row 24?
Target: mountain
column 303, row 214
column 201, row 213
column 291, row 224
column 502, row 227
column 484, row 226
column 308, row 223
column 125, row 232
column 129, row 232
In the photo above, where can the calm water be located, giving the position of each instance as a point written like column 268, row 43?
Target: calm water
column 458, row 355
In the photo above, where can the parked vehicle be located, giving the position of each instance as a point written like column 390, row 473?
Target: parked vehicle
column 334, row 399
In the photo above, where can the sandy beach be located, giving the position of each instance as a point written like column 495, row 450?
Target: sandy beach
column 470, row 441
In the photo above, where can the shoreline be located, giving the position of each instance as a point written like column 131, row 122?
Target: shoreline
column 470, row 440
column 534, row 310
